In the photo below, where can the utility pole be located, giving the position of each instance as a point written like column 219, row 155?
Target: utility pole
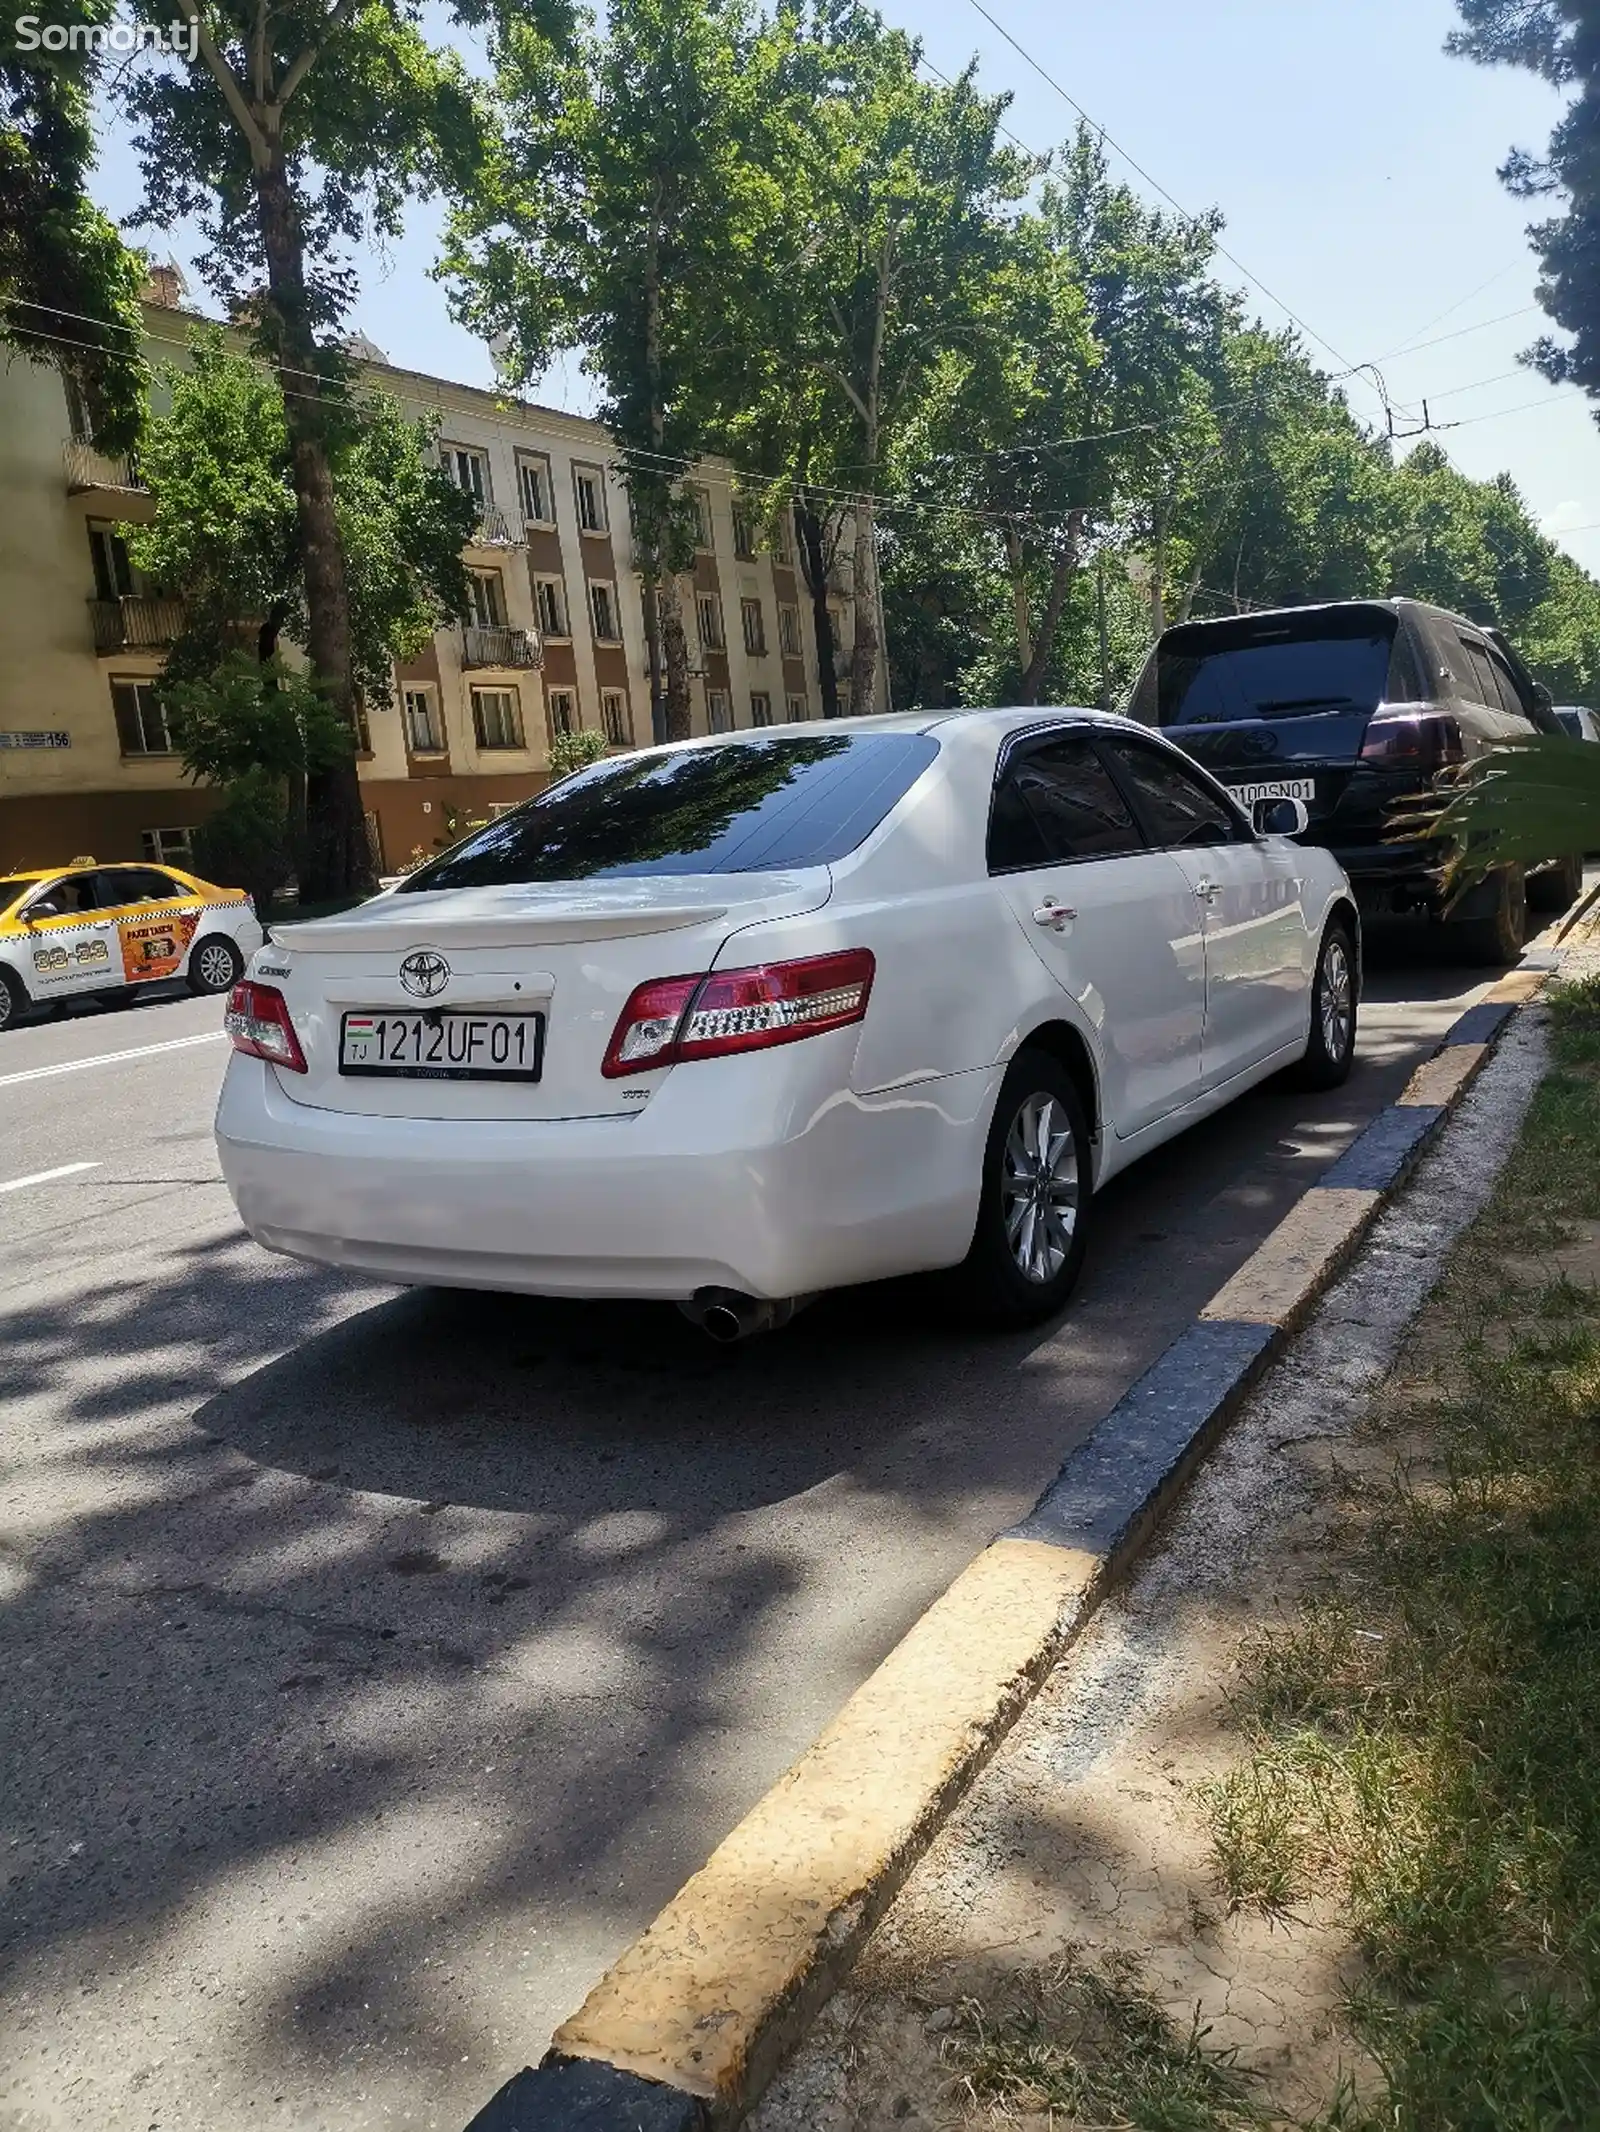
column 1158, row 581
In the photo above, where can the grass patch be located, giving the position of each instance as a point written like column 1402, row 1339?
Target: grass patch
column 1090, row 2045
column 1424, row 1742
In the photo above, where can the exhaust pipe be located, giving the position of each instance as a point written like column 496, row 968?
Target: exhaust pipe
column 727, row 1315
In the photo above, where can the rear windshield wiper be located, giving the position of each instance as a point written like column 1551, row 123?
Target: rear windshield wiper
column 1310, row 703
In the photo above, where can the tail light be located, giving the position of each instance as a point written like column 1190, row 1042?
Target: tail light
column 1413, row 740
column 258, row 1022
column 674, row 1019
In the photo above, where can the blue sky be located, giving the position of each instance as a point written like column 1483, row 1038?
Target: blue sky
column 1355, row 164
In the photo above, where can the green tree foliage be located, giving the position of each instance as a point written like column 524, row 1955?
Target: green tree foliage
column 302, row 133
column 575, row 751
column 1468, row 545
column 1560, row 41
column 623, row 205
column 68, row 285
column 224, row 538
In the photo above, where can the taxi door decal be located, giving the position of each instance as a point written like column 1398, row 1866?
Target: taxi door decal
column 155, row 946
column 67, row 951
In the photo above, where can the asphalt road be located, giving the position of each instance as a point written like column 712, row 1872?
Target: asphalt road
column 376, row 1664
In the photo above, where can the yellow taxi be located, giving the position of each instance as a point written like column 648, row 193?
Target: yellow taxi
column 86, row 929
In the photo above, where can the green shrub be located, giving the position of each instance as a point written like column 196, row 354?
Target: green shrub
column 245, row 843
column 575, row 751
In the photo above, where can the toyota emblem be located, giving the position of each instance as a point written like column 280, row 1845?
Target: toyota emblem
column 424, row 974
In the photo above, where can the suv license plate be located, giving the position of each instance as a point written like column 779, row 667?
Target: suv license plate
column 1276, row 788
column 444, row 1046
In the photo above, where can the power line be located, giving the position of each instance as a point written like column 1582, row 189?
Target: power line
column 1451, row 309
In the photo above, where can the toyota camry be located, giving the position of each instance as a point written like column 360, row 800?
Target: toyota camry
column 734, row 1021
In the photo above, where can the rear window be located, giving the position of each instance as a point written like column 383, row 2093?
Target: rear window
column 746, row 806
column 1220, row 673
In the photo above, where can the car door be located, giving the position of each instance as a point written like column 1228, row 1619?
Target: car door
column 156, row 919
column 1250, row 892
column 71, row 944
column 1115, row 923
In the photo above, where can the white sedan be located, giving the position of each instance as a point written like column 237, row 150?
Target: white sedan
column 734, row 1021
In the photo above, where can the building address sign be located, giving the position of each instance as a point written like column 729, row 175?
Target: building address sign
column 35, row 740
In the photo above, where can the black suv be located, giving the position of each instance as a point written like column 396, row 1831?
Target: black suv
column 1353, row 708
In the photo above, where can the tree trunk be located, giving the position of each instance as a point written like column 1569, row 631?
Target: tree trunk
column 864, row 652
column 811, row 541
column 1158, row 575
column 676, row 646
column 1102, row 631
column 338, row 858
column 1061, row 578
column 1015, row 562
column 294, row 802
column 652, row 645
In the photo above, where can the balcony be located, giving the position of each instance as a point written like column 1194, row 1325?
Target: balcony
column 136, row 622
column 91, row 469
column 495, row 530
column 500, row 648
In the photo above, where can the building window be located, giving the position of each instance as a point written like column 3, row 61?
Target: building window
column 789, row 632
column 717, row 717
column 141, row 720
column 167, row 847
column 496, row 719
column 755, row 628
column 77, row 410
column 561, row 713
column 616, row 718
column 703, row 536
column 603, row 608
column 533, row 483
column 468, row 469
column 744, row 533
column 782, row 537
column 709, row 610
column 589, row 492
column 486, row 599
column 108, row 552
column 550, row 597
column 424, row 735
column 760, row 707
column 797, row 708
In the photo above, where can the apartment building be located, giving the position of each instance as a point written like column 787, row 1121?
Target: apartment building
column 554, row 641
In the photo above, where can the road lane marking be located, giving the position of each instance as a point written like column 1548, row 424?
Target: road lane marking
column 67, row 1169
column 109, row 1058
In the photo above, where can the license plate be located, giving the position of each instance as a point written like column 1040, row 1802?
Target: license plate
column 443, row 1046
column 1276, row 788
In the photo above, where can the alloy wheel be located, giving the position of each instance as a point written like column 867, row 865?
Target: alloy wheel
column 216, row 966
column 1337, row 998
column 1039, row 1187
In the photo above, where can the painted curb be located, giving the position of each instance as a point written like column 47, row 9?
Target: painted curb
column 683, row 2032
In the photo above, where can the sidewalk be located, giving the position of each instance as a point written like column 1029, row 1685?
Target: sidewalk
column 1142, row 1914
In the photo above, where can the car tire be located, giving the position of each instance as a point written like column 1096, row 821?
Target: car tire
column 1021, row 1270
column 14, row 1001
column 1335, row 997
column 1558, row 887
column 215, row 964
column 1499, row 936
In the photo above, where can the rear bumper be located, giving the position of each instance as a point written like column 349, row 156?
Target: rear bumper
column 708, row 1187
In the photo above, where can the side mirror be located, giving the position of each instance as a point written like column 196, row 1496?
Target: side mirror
column 1280, row 817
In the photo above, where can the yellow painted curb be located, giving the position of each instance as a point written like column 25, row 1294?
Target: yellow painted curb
column 1520, row 985
column 1443, row 1078
column 1277, row 1283
column 730, row 1973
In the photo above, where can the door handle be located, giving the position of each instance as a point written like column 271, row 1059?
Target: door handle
column 1053, row 914
column 1208, row 891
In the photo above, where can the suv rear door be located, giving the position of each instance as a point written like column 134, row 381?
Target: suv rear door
column 1278, row 704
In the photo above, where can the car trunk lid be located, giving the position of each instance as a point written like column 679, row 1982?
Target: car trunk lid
column 571, row 952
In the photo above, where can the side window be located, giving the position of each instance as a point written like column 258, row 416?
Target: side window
column 1405, row 683
column 1175, row 807
column 1058, row 802
column 76, row 892
column 1510, row 695
column 1477, row 680
column 136, row 884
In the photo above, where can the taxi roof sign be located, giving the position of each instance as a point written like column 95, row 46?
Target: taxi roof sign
column 81, row 861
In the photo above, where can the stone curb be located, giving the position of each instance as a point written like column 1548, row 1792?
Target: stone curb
column 685, row 2029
